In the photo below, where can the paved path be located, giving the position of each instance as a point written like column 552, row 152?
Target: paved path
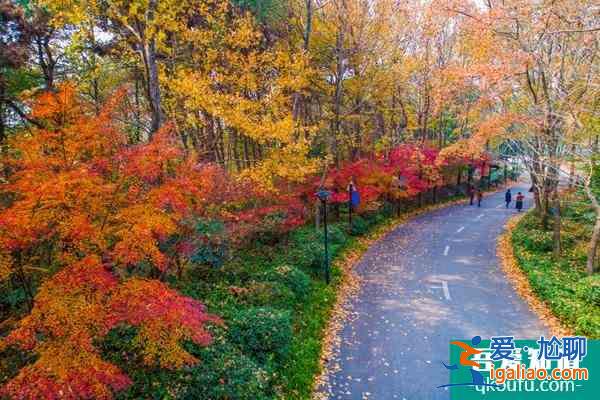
column 433, row 279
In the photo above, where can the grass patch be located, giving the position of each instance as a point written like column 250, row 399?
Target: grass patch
column 562, row 284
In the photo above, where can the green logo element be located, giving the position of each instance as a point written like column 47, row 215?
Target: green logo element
column 525, row 370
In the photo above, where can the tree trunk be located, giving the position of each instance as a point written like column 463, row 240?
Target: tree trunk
column 557, row 226
column 337, row 95
column 593, row 247
column 2, row 121
column 308, row 29
column 149, row 55
column 236, row 154
column 45, row 59
column 572, row 168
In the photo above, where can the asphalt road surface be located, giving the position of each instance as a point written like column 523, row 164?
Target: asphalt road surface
column 433, row 279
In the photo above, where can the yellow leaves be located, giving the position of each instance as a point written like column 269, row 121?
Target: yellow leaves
column 244, row 35
column 249, row 90
column 290, row 163
column 160, row 347
column 489, row 130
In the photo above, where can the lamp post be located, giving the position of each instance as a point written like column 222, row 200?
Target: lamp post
column 350, row 190
column 352, row 198
column 323, row 195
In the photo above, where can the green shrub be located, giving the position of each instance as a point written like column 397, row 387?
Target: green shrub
column 307, row 255
column 264, row 332
column 529, row 222
column 11, row 298
column 223, row 373
column 268, row 230
column 359, row 226
column 588, row 289
column 293, row 278
column 335, row 235
column 537, row 241
column 387, row 210
column 572, row 233
column 118, row 347
column 305, row 248
column 589, row 325
column 12, row 359
column 268, row 294
column 561, row 283
column 210, row 242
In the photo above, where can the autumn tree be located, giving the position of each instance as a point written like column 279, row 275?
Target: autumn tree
column 90, row 217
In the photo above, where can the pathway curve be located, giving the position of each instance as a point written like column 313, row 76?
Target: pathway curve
column 433, row 279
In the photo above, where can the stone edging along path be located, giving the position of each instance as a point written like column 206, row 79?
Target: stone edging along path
column 350, row 284
column 519, row 280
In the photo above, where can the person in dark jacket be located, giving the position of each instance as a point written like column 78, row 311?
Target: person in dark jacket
column 471, row 192
column 520, row 199
column 508, row 197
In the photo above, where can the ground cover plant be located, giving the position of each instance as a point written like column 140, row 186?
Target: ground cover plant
column 562, row 283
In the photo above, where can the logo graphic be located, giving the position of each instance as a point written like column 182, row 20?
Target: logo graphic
column 502, row 367
column 468, row 351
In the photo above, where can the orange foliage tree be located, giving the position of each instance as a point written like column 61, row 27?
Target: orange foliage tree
column 87, row 210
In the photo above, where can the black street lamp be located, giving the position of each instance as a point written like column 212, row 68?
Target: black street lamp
column 350, row 206
column 323, row 195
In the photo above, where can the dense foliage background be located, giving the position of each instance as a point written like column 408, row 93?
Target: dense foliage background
column 159, row 161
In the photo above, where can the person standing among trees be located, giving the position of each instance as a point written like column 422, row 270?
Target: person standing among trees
column 520, row 199
column 508, row 197
column 479, row 197
column 471, row 192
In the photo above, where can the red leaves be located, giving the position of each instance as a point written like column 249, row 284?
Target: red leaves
column 68, row 314
column 151, row 162
column 80, row 305
column 416, row 166
column 164, row 317
column 94, row 379
column 81, row 193
column 407, row 171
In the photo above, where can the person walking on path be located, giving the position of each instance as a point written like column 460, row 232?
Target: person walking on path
column 508, row 197
column 520, row 199
column 471, row 192
column 479, row 197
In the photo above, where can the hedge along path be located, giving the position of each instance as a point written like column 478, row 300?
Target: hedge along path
column 520, row 281
column 349, row 287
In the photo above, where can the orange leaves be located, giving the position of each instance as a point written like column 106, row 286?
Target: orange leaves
column 5, row 266
column 67, row 316
column 59, row 106
column 164, row 317
column 80, row 305
column 83, row 203
column 67, row 306
column 141, row 228
column 77, row 184
column 72, row 375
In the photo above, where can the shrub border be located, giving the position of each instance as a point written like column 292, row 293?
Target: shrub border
column 519, row 279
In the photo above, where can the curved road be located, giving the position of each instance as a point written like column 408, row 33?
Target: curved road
column 433, row 279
